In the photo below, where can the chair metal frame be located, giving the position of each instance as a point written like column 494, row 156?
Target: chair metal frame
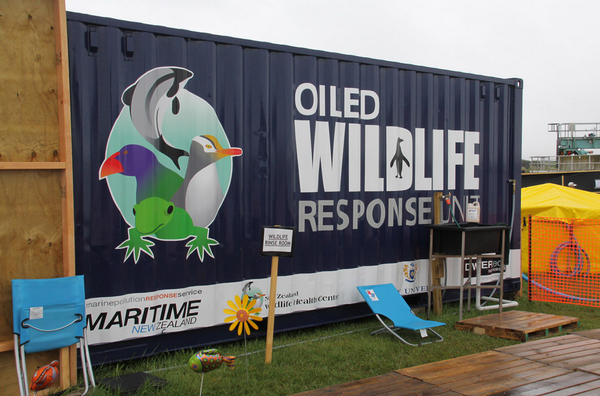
column 49, row 314
column 384, row 300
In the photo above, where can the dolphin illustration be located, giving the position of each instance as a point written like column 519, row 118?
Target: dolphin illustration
column 149, row 98
column 399, row 158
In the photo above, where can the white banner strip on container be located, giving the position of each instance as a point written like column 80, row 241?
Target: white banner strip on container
column 130, row 316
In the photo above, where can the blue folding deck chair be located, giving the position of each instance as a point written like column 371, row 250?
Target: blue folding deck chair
column 49, row 314
column 386, row 301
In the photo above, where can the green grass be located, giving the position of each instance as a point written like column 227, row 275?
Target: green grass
column 323, row 356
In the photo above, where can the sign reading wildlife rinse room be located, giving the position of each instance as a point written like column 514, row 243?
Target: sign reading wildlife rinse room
column 184, row 148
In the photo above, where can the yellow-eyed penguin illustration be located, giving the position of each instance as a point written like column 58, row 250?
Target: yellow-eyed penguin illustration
column 201, row 193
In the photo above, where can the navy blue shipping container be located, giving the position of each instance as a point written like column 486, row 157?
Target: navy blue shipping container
column 185, row 145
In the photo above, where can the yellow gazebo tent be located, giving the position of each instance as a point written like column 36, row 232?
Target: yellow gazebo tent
column 552, row 200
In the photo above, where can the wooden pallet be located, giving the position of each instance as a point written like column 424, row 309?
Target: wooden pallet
column 518, row 325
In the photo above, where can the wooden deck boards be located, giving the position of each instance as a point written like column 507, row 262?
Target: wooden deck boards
column 387, row 384
column 484, row 373
column 559, row 366
column 590, row 334
column 518, row 325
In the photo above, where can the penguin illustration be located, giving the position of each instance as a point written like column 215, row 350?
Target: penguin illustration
column 253, row 293
column 150, row 98
column 201, row 193
column 398, row 158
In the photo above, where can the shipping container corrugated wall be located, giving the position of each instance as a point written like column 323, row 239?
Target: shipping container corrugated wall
column 346, row 150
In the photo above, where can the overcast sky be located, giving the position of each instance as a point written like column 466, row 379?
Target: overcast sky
column 553, row 45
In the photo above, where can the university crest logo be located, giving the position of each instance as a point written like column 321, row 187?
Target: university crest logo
column 168, row 164
column 410, row 272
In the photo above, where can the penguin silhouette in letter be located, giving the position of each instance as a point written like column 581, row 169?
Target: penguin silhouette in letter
column 398, row 158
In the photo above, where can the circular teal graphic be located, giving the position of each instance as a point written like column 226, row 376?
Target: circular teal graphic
column 168, row 163
column 195, row 118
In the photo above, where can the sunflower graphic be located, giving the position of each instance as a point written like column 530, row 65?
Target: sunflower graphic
column 242, row 310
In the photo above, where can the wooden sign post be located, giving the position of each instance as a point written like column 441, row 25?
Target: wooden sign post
column 276, row 241
column 271, row 320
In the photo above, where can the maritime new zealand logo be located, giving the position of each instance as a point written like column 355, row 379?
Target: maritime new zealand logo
column 168, row 163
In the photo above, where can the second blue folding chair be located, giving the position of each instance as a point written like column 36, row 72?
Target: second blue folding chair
column 384, row 300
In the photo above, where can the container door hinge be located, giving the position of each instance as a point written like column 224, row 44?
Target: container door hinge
column 92, row 41
column 128, row 46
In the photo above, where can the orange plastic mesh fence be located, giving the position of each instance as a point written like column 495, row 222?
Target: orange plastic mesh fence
column 564, row 260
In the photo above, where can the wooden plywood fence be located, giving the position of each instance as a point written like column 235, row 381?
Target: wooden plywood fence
column 36, row 197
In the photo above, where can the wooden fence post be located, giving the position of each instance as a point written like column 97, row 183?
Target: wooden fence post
column 437, row 265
